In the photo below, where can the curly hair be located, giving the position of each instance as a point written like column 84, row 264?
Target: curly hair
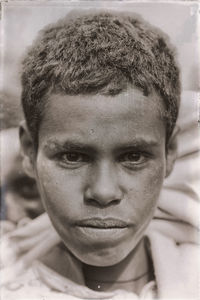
column 99, row 53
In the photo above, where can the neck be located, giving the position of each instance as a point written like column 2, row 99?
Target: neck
column 130, row 274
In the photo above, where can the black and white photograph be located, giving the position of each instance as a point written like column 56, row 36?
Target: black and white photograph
column 100, row 150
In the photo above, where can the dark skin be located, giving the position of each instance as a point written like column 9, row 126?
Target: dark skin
column 99, row 168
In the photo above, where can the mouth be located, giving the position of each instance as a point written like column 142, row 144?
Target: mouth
column 99, row 223
column 102, row 232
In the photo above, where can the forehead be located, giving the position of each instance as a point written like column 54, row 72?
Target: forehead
column 99, row 117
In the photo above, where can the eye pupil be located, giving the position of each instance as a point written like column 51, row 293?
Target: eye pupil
column 133, row 156
column 72, row 156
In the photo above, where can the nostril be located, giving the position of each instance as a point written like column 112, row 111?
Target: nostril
column 115, row 201
column 91, row 201
column 96, row 203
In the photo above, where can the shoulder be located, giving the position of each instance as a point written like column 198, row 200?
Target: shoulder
column 30, row 285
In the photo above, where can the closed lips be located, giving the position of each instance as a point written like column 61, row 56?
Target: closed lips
column 108, row 223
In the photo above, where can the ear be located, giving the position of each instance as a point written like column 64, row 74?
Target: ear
column 27, row 150
column 171, row 151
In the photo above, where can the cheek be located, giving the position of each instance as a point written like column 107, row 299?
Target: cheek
column 60, row 193
column 144, row 191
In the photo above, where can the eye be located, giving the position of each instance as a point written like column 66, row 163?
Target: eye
column 133, row 159
column 73, row 158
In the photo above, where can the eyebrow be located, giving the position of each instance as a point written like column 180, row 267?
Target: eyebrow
column 72, row 145
column 138, row 143
column 69, row 145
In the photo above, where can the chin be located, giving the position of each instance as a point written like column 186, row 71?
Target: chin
column 103, row 249
column 103, row 257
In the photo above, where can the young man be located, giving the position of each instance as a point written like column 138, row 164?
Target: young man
column 101, row 93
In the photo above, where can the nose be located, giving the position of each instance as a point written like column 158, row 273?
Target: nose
column 103, row 188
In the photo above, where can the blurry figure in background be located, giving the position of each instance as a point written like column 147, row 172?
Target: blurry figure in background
column 20, row 200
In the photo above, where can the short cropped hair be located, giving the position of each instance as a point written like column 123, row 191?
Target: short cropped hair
column 99, row 53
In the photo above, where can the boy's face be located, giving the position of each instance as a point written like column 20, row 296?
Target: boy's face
column 100, row 166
